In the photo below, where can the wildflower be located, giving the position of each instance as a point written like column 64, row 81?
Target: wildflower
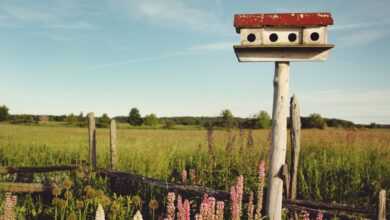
column 320, row 216
column 153, row 205
column 72, row 216
column 68, row 195
column 79, row 204
column 9, row 206
column 115, row 207
column 171, row 205
column 220, row 210
column 193, row 176
column 260, row 189
column 68, row 184
column 187, row 209
column 234, row 203
column 137, row 201
column 99, row 213
column 180, row 210
column 184, row 176
column 211, row 204
column 56, row 191
column 89, row 192
column 198, row 217
column 250, row 206
column 138, row 216
column 305, row 215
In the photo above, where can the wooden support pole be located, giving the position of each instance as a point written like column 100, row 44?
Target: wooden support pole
column 295, row 133
column 113, row 150
column 279, row 141
column 92, row 139
column 382, row 205
column 286, row 178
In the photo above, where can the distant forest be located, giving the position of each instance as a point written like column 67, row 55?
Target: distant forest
column 225, row 120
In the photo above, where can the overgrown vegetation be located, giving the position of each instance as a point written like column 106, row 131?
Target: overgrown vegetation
column 345, row 166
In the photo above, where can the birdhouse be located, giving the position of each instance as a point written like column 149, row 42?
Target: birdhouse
column 283, row 37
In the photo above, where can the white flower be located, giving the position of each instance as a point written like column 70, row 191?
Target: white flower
column 100, row 213
column 137, row 216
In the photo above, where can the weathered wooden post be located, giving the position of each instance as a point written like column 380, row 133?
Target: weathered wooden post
column 92, row 139
column 295, row 133
column 382, row 205
column 113, row 151
column 281, row 38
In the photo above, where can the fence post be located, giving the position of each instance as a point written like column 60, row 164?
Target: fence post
column 279, row 141
column 295, row 133
column 382, row 205
column 113, row 150
column 92, row 139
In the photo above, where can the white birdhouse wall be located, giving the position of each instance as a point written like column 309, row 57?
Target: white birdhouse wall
column 251, row 36
column 283, row 36
column 315, row 35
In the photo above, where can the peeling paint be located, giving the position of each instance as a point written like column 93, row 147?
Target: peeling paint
column 282, row 19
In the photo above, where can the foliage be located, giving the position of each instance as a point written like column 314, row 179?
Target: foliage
column 228, row 120
column 103, row 122
column 135, row 118
column 263, row 120
column 151, row 120
column 4, row 113
column 345, row 166
column 316, row 121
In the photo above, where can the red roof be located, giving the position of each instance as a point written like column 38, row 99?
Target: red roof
column 282, row 19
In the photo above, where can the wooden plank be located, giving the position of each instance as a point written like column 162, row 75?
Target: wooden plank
column 279, row 141
column 295, row 134
column 92, row 139
column 13, row 170
column 382, row 205
column 24, row 187
column 280, row 53
column 113, row 149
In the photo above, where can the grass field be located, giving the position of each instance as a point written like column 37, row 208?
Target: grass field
column 346, row 166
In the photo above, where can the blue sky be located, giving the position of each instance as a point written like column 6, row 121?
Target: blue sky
column 175, row 57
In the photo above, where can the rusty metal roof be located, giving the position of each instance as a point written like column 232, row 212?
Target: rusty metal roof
column 282, row 19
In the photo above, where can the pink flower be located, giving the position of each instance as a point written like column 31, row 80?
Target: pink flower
column 320, row 216
column 184, row 176
column 171, row 205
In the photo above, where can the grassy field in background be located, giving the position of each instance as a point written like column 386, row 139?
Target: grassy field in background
column 336, row 164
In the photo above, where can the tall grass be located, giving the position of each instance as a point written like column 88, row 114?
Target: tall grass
column 336, row 165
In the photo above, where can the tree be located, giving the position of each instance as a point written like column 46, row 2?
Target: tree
column 135, row 118
column 316, row 121
column 104, row 121
column 4, row 113
column 151, row 120
column 263, row 120
column 227, row 119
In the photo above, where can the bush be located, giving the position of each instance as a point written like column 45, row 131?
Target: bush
column 151, row 120
column 135, row 118
column 263, row 120
column 316, row 121
column 4, row 113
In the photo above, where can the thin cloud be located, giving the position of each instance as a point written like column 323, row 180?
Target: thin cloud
column 176, row 13
column 15, row 16
column 212, row 46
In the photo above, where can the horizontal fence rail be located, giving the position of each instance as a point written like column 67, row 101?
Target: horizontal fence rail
column 60, row 168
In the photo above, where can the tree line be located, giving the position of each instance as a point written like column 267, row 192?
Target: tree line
column 225, row 120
